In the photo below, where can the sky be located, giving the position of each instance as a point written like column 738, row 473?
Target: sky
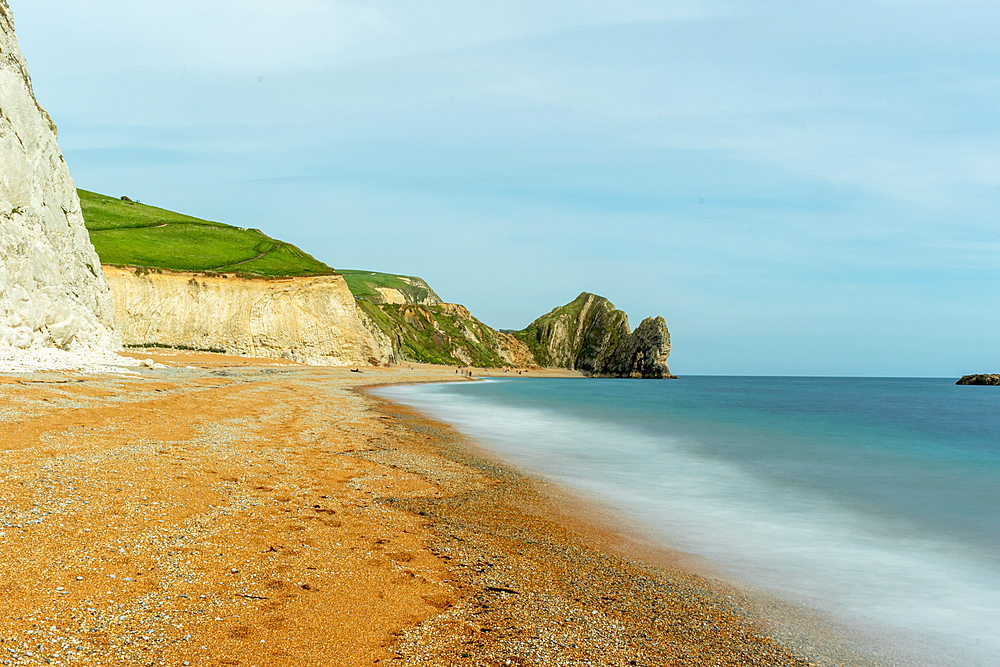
column 799, row 188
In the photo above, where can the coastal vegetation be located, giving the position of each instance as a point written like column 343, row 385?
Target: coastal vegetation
column 588, row 334
column 366, row 285
column 421, row 327
column 404, row 308
column 439, row 334
column 128, row 233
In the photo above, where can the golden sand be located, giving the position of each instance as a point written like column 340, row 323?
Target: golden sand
column 246, row 512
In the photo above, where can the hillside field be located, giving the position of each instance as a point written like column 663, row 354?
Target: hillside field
column 127, row 233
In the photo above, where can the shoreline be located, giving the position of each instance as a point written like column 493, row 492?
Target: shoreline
column 247, row 512
column 578, row 565
column 808, row 636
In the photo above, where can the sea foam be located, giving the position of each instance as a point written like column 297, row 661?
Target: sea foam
column 802, row 535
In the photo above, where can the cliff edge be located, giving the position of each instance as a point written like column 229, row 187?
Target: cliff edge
column 52, row 291
column 592, row 336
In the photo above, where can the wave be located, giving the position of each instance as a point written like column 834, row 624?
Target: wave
column 885, row 575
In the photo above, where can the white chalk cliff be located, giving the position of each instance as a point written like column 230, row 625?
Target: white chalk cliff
column 52, row 290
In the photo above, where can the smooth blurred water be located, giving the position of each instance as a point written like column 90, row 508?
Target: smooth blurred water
column 877, row 500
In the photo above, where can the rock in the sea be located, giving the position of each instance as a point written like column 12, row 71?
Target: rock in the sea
column 980, row 379
column 52, row 291
column 644, row 353
column 592, row 336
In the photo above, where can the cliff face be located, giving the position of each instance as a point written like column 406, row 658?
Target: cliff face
column 312, row 320
column 589, row 335
column 52, row 291
column 578, row 335
column 317, row 320
column 592, row 336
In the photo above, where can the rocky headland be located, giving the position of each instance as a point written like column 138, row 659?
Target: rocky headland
column 588, row 335
column 330, row 321
column 592, row 336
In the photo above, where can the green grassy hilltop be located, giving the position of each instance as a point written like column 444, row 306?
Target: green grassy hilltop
column 126, row 233
column 365, row 284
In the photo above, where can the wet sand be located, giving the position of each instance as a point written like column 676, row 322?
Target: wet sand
column 252, row 512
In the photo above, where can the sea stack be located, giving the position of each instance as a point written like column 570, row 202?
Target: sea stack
column 52, row 291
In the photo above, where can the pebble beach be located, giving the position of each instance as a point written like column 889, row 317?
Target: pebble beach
column 222, row 511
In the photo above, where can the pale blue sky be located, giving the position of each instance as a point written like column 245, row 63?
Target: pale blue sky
column 798, row 187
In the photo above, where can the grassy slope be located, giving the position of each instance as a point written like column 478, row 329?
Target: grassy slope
column 418, row 339
column 134, row 234
column 421, row 333
column 363, row 284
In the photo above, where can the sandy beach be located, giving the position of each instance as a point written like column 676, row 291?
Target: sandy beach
column 226, row 511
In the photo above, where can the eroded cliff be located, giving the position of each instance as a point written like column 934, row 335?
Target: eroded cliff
column 312, row 320
column 52, row 291
column 592, row 336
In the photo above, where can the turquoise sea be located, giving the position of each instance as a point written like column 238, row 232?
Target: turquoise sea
column 873, row 500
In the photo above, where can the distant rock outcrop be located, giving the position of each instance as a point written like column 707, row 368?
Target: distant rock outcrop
column 980, row 379
column 592, row 336
column 52, row 291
